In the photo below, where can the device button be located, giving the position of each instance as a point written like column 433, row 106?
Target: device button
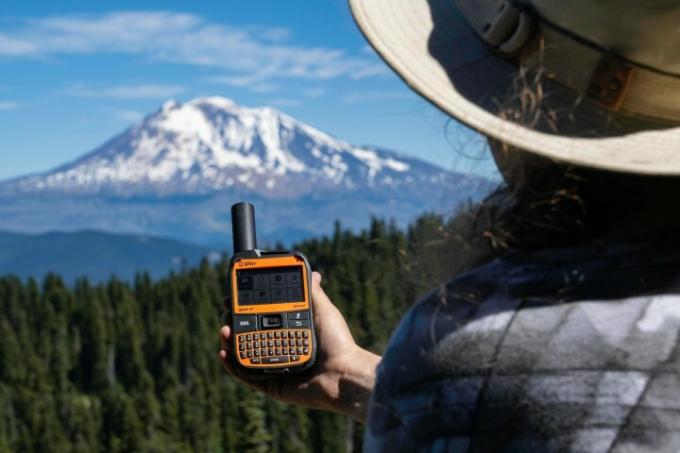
column 245, row 323
column 295, row 294
column 295, row 323
column 271, row 322
column 298, row 315
column 262, row 296
column 279, row 295
column 294, row 358
column 293, row 278
column 261, row 281
column 255, row 361
column 245, row 282
column 278, row 280
column 245, row 296
column 274, row 360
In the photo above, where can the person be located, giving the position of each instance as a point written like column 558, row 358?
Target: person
column 567, row 337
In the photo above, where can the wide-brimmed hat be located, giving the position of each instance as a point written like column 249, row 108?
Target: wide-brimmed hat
column 593, row 83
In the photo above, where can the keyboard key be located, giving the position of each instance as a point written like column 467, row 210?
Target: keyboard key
column 294, row 358
column 244, row 323
column 275, row 360
column 298, row 315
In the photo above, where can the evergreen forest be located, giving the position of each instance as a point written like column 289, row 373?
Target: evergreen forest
column 133, row 367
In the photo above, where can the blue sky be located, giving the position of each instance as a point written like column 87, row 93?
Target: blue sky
column 74, row 73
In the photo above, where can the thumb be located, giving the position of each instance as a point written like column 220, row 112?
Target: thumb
column 322, row 304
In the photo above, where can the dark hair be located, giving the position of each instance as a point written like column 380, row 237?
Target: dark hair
column 547, row 204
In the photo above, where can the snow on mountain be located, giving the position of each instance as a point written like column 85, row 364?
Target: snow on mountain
column 211, row 144
column 176, row 172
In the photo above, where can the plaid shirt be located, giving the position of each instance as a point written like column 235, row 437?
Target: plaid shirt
column 564, row 350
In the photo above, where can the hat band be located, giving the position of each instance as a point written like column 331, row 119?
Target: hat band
column 603, row 77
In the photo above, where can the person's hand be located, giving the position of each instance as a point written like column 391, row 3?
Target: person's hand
column 343, row 376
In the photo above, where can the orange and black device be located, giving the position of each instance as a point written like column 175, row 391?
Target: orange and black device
column 271, row 304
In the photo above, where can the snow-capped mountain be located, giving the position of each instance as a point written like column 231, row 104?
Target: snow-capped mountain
column 212, row 144
column 176, row 172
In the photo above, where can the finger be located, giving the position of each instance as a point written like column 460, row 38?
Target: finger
column 226, row 359
column 225, row 336
column 227, row 362
column 322, row 304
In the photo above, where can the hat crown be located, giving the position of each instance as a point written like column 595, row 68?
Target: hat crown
column 646, row 32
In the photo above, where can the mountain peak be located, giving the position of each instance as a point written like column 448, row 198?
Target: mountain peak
column 211, row 144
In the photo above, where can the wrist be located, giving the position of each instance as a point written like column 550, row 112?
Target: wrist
column 356, row 379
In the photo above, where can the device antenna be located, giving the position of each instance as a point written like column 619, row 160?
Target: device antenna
column 243, row 227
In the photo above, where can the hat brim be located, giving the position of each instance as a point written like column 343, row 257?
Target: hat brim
column 431, row 47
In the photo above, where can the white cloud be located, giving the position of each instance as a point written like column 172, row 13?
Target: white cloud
column 285, row 103
column 314, row 92
column 257, row 54
column 374, row 96
column 250, row 83
column 128, row 115
column 128, row 91
column 9, row 105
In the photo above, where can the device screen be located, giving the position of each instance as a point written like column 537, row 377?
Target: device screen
column 270, row 285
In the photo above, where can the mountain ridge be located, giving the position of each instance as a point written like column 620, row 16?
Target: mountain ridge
column 94, row 254
column 210, row 144
column 176, row 172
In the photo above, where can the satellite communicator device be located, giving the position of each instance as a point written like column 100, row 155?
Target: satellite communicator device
column 271, row 304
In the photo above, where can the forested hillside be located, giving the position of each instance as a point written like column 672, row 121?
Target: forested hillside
column 121, row 368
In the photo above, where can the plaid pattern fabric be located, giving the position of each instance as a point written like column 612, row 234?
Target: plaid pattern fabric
column 563, row 351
